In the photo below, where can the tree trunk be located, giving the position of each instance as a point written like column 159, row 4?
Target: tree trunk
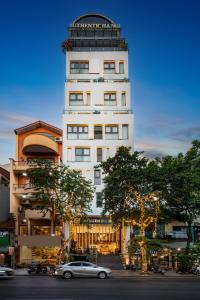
column 53, row 226
column 66, row 239
column 189, row 234
column 143, row 249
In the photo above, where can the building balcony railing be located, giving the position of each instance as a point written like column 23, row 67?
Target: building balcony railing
column 23, row 165
column 23, row 188
column 99, row 110
column 99, row 80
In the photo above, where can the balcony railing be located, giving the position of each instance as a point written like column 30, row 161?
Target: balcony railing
column 99, row 110
column 99, row 80
column 23, row 165
column 23, row 188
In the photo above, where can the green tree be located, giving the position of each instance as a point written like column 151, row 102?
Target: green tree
column 178, row 180
column 60, row 191
column 124, row 171
column 128, row 193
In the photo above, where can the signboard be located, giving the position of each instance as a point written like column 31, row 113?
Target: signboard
column 4, row 238
column 99, row 221
column 83, row 25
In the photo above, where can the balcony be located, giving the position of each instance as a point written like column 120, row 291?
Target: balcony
column 95, row 44
column 100, row 110
column 23, row 188
column 39, row 241
column 98, row 80
column 22, row 165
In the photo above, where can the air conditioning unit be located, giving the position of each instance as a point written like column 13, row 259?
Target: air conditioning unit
column 58, row 139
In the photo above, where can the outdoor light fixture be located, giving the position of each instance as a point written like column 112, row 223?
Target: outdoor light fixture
column 24, row 196
column 24, row 174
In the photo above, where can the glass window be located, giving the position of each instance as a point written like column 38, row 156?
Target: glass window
column 98, row 134
column 86, row 265
column 125, row 132
column 99, row 154
column 109, row 67
column 99, row 200
column 88, row 98
column 75, row 264
column 82, row 154
column 121, row 68
column 110, row 99
column 75, row 99
column 111, row 132
column 79, row 67
column 97, row 177
column 123, row 99
column 75, row 132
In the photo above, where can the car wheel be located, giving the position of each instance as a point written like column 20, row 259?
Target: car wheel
column 67, row 275
column 102, row 275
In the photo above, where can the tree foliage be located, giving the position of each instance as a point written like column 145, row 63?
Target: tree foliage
column 123, row 173
column 60, row 191
column 178, row 180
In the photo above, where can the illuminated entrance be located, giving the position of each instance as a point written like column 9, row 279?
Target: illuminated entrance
column 99, row 234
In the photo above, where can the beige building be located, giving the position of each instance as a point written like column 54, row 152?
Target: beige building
column 32, row 230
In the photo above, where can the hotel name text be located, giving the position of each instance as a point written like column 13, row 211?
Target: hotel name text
column 79, row 25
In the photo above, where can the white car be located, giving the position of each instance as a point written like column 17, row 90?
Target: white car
column 82, row 269
column 6, row 272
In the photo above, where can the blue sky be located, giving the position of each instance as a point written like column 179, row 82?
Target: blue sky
column 164, row 48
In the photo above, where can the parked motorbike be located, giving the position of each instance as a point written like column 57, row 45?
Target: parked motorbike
column 37, row 269
column 157, row 269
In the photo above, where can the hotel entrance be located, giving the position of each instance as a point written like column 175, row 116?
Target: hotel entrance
column 99, row 235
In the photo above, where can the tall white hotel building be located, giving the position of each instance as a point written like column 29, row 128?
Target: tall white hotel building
column 97, row 117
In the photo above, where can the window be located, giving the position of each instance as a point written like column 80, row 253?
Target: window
column 110, row 99
column 87, row 264
column 79, row 67
column 75, row 132
column 88, row 98
column 99, row 154
column 99, row 200
column 75, row 99
column 125, row 132
column 98, row 135
column 121, row 67
column 111, row 132
column 123, row 99
column 82, row 154
column 109, row 67
column 69, row 154
column 97, row 177
column 75, row 264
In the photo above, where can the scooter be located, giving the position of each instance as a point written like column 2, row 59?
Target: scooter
column 37, row 269
column 157, row 270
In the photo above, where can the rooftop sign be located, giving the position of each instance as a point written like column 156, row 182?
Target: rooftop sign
column 84, row 25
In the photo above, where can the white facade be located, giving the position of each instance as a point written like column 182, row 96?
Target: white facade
column 104, row 100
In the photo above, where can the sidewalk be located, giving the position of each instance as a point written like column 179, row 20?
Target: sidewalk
column 21, row 272
column 126, row 274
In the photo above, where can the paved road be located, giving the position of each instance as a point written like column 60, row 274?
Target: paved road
column 31, row 288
